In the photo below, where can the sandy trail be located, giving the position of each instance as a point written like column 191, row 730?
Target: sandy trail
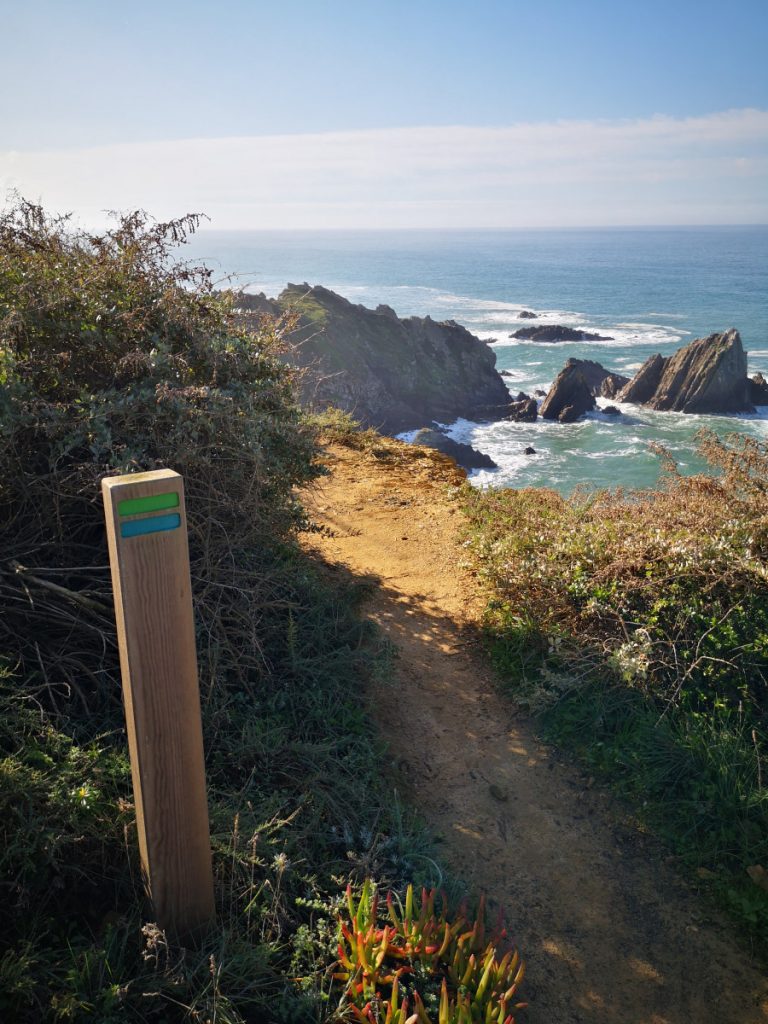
column 610, row 933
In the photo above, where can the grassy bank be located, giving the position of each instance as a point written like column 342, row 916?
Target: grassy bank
column 115, row 359
column 636, row 626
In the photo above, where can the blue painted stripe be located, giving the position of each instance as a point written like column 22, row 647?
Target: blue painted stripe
column 152, row 524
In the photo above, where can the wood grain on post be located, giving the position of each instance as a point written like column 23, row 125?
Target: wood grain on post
column 149, row 556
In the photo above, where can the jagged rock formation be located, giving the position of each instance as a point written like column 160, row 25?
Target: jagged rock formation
column 523, row 410
column 463, row 454
column 612, row 385
column 643, row 385
column 556, row 332
column 601, row 381
column 391, row 373
column 757, row 388
column 569, row 397
column 707, row 376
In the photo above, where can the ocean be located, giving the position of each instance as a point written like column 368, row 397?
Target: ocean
column 650, row 289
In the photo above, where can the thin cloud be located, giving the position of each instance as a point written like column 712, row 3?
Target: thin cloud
column 711, row 169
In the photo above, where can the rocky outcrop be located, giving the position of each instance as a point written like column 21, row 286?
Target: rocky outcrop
column 556, row 332
column 757, row 389
column 523, row 410
column 569, row 397
column 390, row 373
column 463, row 454
column 611, row 385
column 707, row 376
column 643, row 385
column 601, row 381
column 526, row 314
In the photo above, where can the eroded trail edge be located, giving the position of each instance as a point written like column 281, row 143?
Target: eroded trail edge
column 610, row 932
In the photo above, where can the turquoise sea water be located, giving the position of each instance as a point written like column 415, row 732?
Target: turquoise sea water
column 651, row 289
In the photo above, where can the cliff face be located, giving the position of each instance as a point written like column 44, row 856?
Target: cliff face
column 707, row 376
column 391, row 373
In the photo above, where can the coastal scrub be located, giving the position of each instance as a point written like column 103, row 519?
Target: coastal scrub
column 115, row 358
column 636, row 624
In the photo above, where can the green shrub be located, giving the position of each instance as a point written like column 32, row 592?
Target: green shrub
column 637, row 624
column 116, row 358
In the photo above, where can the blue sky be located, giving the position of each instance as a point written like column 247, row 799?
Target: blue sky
column 97, row 94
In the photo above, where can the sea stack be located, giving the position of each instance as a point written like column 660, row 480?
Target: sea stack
column 707, row 376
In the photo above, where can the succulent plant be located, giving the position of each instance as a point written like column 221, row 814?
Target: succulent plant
column 412, row 965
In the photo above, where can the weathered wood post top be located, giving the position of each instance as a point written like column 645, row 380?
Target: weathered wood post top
column 149, row 557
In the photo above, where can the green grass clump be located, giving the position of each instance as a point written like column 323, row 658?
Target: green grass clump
column 114, row 358
column 636, row 625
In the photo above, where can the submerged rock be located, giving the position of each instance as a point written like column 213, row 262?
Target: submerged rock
column 707, row 376
column 556, row 332
column 569, row 397
column 611, row 410
column 464, row 454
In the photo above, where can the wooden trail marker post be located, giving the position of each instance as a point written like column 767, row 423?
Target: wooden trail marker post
column 149, row 556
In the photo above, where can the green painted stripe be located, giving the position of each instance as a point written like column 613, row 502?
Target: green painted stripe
column 154, row 503
column 152, row 524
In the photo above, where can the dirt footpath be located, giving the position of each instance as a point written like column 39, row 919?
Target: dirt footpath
column 610, row 933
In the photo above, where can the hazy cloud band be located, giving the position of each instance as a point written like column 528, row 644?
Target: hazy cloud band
column 711, row 169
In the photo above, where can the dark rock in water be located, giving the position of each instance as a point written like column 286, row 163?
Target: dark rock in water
column 569, row 397
column 524, row 410
column 611, row 410
column 464, row 454
column 529, row 451
column 707, row 376
column 758, row 389
column 612, row 385
column 556, row 332
column 569, row 414
column 507, row 373
column 388, row 372
column 539, row 393
column 643, row 385
column 597, row 375
column 526, row 314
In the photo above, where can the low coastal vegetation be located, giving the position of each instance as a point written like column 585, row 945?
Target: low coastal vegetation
column 636, row 625
column 113, row 358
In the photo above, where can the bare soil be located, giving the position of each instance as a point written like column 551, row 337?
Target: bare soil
column 610, row 932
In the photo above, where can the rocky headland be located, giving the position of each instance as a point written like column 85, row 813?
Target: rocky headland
column 392, row 373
